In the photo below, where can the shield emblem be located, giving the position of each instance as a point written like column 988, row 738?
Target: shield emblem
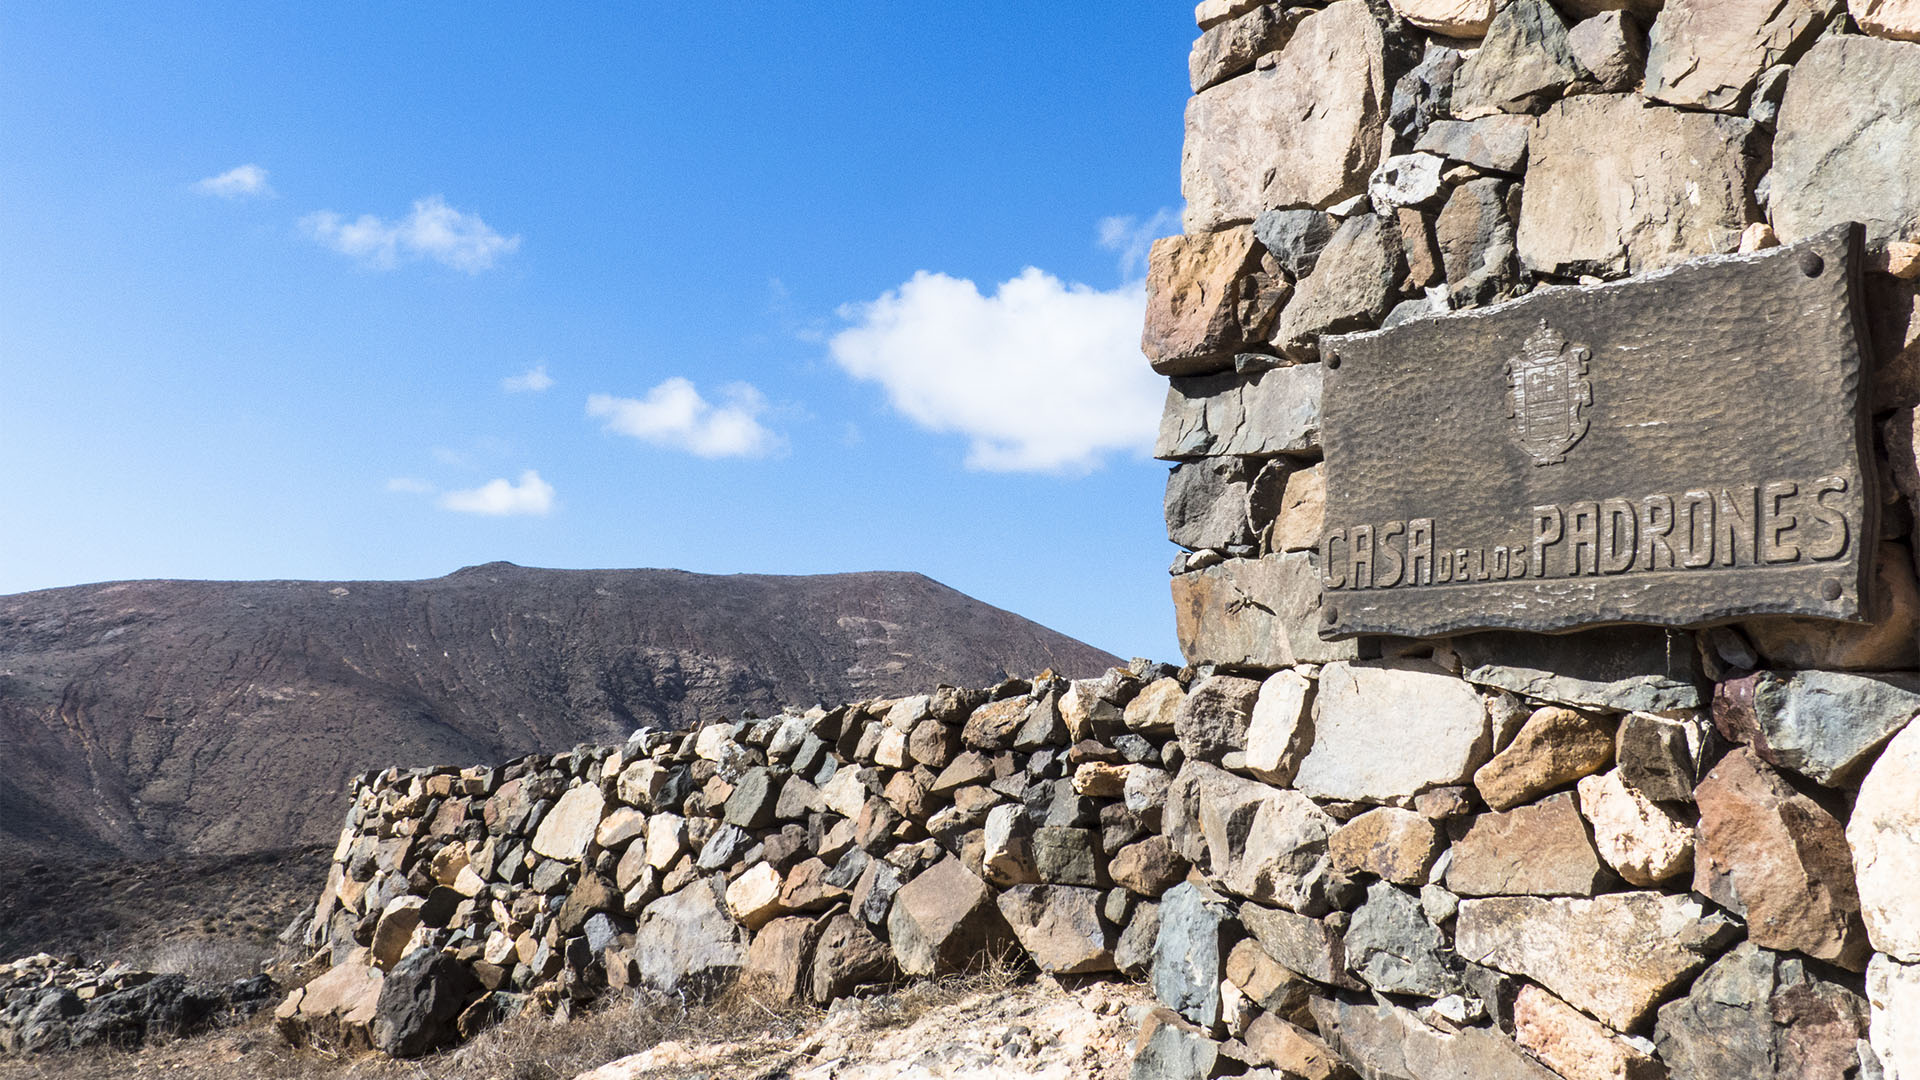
column 1548, row 393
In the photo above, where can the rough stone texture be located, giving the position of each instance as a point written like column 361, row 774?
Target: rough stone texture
column 1216, row 623
column 1846, row 155
column 1523, row 62
column 569, row 827
column 1616, row 187
column 1059, row 926
column 1539, row 850
column 780, row 959
column 1304, row 132
column 1206, row 503
column 1388, row 1042
column 1149, row 866
column 686, row 942
column 419, row 1001
column 1644, row 842
column 1898, row 19
column 1476, row 238
column 1424, row 95
column 1406, row 180
column 1611, row 49
column 1394, row 949
column 1170, row 1050
column 1660, row 756
column 1394, row 845
column 1779, row 860
column 1196, row 930
column 1280, row 732
column 1889, row 640
column 1614, row 956
column 1574, row 1045
column 1823, row 725
column 1263, row 843
column 1884, row 835
column 1553, row 748
column 1706, row 54
column 1623, row 669
column 1452, row 18
column 1152, row 710
column 337, row 1007
column 1439, row 723
column 1893, row 991
column 1309, row 947
column 943, row 918
column 1231, row 47
column 1194, row 294
column 1294, row 237
column 1292, row 1050
column 1268, row 412
column 847, row 957
column 754, row 896
column 1495, row 143
column 1212, row 719
column 1351, row 287
column 1757, row 1014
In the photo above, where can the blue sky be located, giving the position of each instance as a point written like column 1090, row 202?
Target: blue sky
column 379, row 291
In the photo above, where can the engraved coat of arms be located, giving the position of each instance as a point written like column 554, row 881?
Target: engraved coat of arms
column 1548, row 393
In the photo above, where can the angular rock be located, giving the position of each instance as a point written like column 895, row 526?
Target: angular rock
column 1405, row 180
column 1706, row 54
column 1007, row 854
column 1496, row 143
column 779, row 960
column 1884, row 836
column 1757, row 1014
column 1311, row 948
column 1614, row 186
column 1424, row 95
column 1194, row 296
column 1292, row 1050
column 337, row 1008
column 1216, row 624
column 993, row 725
column 686, row 942
column 1660, row 756
column 1304, row 132
column 1276, row 411
column 1893, row 991
column 1231, row 47
column 622, row 826
column 1538, row 850
column 846, row 957
column 1212, row 720
column 420, row 1000
column 1384, row 1040
column 943, row 918
column 1063, row 855
column 1172, row 1050
column 1553, row 748
column 1197, row 928
column 1613, row 957
column 1206, row 504
column 1622, row 669
column 1451, row 18
column 751, row 805
column 1152, row 710
column 568, row 828
column 1779, row 860
column 1897, row 19
column 1574, row 1045
column 1439, row 723
column 1523, row 62
column 1264, row 844
column 1060, row 927
column 754, row 897
column 1294, row 237
column 395, row 928
column 1301, row 515
column 1644, row 842
column 1823, row 725
column 1148, row 867
column 1394, row 845
column 1279, row 733
column 1392, row 947
column 1611, row 49
column 1476, row 237
column 1351, row 287
column 1265, row 982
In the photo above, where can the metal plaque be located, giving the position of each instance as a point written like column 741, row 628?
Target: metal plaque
column 1685, row 447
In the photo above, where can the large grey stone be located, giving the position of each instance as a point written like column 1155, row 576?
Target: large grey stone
column 944, row 918
column 1496, row 143
column 685, row 942
column 1351, row 287
column 1440, row 733
column 1624, row 669
column 1522, row 63
column 1259, row 415
column 1261, row 613
column 1387, row 1042
column 1206, row 503
column 1824, row 725
column 1263, row 843
column 1197, row 928
column 1706, row 54
column 1394, row 949
column 1309, row 947
column 1615, row 186
column 1757, row 1014
column 1884, row 836
column 1612, row 49
column 1060, row 927
column 419, row 1001
column 1424, row 95
column 1170, row 1050
column 569, row 827
column 1476, row 238
column 1304, row 132
column 1212, row 719
column 1295, row 237
column 1614, row 956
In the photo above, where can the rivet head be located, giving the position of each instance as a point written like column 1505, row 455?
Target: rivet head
column 1329, row 614
column 1333, row 360
column 1830, row 588
column 1811, row 264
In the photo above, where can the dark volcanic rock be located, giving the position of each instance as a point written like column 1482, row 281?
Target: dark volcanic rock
column 147, row 716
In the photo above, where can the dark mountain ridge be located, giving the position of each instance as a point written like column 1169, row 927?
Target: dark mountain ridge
column 145, row 717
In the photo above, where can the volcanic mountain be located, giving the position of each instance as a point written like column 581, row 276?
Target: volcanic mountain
column 143, row 718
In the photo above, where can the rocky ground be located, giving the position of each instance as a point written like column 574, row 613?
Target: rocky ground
column 984, row 1026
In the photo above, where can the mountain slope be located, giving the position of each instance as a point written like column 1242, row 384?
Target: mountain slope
column 145, row 717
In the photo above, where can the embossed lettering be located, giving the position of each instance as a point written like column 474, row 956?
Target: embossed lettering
column 1695, row 525
column 1736, row 517
column 1360, row 556
column 1617, row 536
column 1549, row 524
column 1773, row 522
column 1583, row 537
column 1420, row 551
column 1656, row 524
column 1835, row 543
column 1331, row 576
column 1390, row 560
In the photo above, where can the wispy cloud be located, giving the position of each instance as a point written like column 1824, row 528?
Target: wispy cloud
column 433, row 231
column 409, row 485
column 1041, row 376
column 531, row 381
column 675, row 415
column 239, row 182
column 1130, row 237
column 500, row 497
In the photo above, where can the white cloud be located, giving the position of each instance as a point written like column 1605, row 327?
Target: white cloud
column 239, row 182
column 673, row 414
column 528, row 382
column 433, row 231
column 1041, row 376
column 500, row 497
column 409, row 485
column 1131, row 237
